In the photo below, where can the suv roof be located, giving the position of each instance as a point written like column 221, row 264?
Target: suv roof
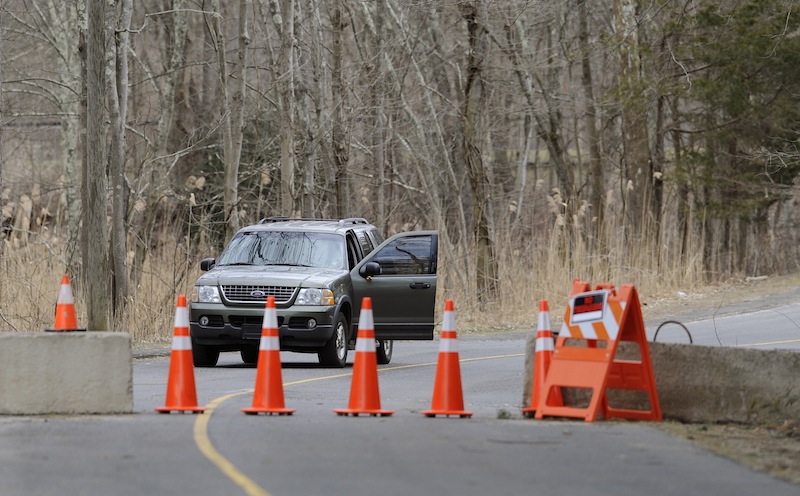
column 309, row 224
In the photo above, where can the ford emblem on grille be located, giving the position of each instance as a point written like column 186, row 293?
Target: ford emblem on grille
column 258, row 294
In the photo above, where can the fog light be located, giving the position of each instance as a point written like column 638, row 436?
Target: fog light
column 203, row 320
column 311, row 323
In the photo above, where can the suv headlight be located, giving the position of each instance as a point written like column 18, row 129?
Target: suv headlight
column 206, row 294
column 314, row 296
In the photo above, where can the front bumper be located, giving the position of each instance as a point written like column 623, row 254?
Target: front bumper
column 234, row 329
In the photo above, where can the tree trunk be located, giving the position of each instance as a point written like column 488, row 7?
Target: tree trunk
column 636, row 158
column 70, row 25
column 547, row 122
column 118, row 109
column 232, row 102
column 2, row 129
column 476, row 15
column 379, row 133
column 312, row 116
column 283, row 19
column 596, row 174
column 339, row 134
column 95, row 226
column 684, row 220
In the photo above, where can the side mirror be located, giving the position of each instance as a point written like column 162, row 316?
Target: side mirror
column 207, row 264
column 370, row 269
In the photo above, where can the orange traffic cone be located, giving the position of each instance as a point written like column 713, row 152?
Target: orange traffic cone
column 181, row 393
column 544, row 352
column 268, row 395
column 364, row 393
column 65, row 309
column 447, row 392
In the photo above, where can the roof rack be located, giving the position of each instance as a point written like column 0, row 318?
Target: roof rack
column 341, row 222
column 353, row 220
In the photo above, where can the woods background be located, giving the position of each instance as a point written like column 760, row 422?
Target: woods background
column 623, row 141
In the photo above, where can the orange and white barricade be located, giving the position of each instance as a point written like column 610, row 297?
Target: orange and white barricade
column 595, row 323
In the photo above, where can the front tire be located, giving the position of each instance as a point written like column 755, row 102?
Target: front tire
column 204, row 356
column 250, row 354
column 334, row 354
column 384, row 351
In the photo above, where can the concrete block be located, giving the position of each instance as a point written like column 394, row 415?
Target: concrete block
column 710, row 384
column 65, row 373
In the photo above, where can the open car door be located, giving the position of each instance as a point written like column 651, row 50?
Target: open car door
column 400, row 277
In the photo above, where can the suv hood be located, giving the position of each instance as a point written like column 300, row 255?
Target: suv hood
column 271, row 275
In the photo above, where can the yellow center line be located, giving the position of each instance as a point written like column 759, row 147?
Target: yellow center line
column 203, row 441
column 768, row 343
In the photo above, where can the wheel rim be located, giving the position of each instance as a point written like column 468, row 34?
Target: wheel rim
column 341, row 345
column 387, row 347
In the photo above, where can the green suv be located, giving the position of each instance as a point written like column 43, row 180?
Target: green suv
column 318, row 271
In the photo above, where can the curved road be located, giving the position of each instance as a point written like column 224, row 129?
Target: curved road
column 314, row 451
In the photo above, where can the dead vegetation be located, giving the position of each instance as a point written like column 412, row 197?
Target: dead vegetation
column 770, row 448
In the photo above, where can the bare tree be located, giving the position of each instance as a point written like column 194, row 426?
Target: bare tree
column 403, row 113
column 637, row 161
column 94, row 244
column 232, row 93
column 476, row 15
column 339, row 135
column 283, row 19
column 2, row 130
column 118, row 110
column 381, row 121
column 147, row 177
column 53, row 32
column 596, row 172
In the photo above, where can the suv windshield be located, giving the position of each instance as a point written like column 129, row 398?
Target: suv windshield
column 305, row 249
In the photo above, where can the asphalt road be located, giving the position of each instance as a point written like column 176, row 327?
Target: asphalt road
column 314, row 451
column 745, row 325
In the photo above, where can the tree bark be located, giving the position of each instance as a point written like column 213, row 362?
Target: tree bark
column 2, row 130
column 476, row 15
column 340, row 145
column 68, row 24
column 232, row 102
column 283, row 20
column 379, row 134
column 596, row 173
column 118, row 109
column 95, row 226
column 636, row 160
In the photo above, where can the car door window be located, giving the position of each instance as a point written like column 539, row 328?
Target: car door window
column 407, row 255
column 353, row 250
column 366, row 243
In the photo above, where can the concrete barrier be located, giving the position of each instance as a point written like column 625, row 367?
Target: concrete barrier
column 65, row 373
column 712, row 384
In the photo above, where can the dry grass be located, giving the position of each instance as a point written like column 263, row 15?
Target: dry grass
column 772, row 449
column 32, row 275
column 526, row 274
column 546, row 267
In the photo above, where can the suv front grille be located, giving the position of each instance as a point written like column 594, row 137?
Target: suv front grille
column 257, row 294
column 258, row 322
